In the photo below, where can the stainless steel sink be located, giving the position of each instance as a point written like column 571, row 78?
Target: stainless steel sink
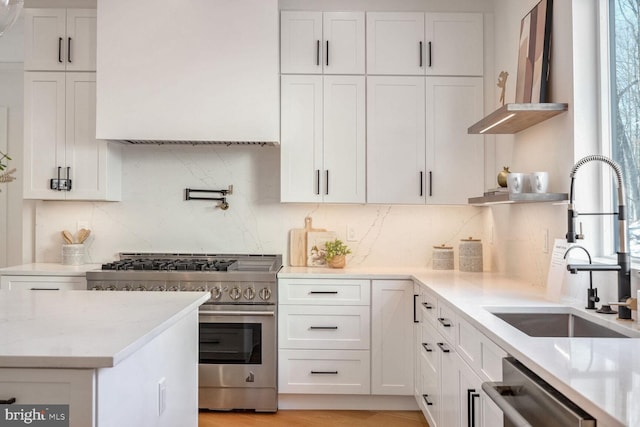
column 563, row 324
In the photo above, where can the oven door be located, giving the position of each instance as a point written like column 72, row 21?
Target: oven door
column 237, row 349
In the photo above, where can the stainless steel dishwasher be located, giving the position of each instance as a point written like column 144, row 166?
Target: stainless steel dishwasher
column 527, row 400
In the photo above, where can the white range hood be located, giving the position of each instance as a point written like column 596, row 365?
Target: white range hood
column 188, row 71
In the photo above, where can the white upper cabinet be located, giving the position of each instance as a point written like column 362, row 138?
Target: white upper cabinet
column 395, row 43
column 60, row 39
column 396, row 140
column 60, row 143
column 415, row 43
column 322, row 42
column 455, row 159
column 203, row 71
column 323, row 139
column 454, row 43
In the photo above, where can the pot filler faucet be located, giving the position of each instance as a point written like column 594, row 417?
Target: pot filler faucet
column 623, row 267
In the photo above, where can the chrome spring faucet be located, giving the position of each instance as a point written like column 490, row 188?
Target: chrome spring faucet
column 623, row 267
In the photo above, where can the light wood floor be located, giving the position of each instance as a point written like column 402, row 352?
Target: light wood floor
column 291, row 418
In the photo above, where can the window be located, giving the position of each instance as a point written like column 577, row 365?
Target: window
column 624, row 27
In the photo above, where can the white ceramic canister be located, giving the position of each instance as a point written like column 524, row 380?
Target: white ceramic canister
column 442, row 258
column 470, row 258
column 73, row 254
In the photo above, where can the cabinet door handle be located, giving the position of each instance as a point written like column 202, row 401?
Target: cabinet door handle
column 430, row 57
column 443, row 347
column 318, row 52
column 326, row 183
column 323, row 292
column 9, row 401
column 427, row 305
column 471, row 407
column 430, row 183
column 421, row 183
column 426, row 400
column 444, row 322
column 426, row 347
column 323, row 328
column 327, row 53
column 68, row 178
column 324, row 372
column 415, row 314
column 59, row 186
column 69, row 50
column 44, row 289
column 60, row 49
column 420, row 47
column 317, row 182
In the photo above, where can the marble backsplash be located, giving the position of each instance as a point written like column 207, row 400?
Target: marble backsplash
column 154, row 217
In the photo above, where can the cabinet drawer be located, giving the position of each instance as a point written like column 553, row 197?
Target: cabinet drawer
column 322, row 327
column 429, row 346
column 491, row 360
column 469, row 343
column 324, row 371
column 446, row 324
column 429, row 306
column 324, row 292
column 430, row 394
column 61, row 283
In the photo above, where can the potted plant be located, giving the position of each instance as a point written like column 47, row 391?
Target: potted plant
column 336, row 252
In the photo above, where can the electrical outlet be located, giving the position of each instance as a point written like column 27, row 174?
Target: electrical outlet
column 545, row 241
column 82, row 224
column 162, row 396
column 352, row 234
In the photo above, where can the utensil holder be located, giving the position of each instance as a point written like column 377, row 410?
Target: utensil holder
column 73, row 254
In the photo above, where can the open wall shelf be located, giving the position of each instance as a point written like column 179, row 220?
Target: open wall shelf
column 513, row 118
column 506, row 197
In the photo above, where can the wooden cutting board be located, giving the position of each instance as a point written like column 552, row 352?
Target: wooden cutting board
column 298, row 243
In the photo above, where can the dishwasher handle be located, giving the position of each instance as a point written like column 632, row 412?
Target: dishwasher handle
column 494, row 390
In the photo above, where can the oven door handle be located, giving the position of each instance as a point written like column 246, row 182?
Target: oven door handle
column 237, row 313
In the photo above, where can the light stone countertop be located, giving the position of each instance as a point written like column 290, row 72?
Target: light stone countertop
column 85, row 329
column 601, row 375
column 48, row 269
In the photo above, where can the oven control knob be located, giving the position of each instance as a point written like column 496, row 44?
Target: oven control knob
column 216, row 292
column 250, row 293
column 235, row 293
column 265, row 293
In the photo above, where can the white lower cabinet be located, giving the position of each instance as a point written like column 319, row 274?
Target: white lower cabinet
column 37, row 283
column 454, row 362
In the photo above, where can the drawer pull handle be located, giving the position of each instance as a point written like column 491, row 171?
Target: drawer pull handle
column 426, row 347
column 324, row 372
column 426, row 400
column 427, row 305
column 323, row 293
column 443, row 347
column 8, row 401
column 324, row 328
column 445, row 322
column 44, row 289
column 415, row 317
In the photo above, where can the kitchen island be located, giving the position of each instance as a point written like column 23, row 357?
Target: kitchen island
column 116, row 358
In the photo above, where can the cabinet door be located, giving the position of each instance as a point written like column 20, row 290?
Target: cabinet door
column 344, row 146
column 475, row 408
column 454, row 44
column 395, row 43
column 89, row 160
column 37, row 283
column 343, row 42
column 395, row 140
column 455, row 159
column 449, row 386
column 81, row 40
column 301, row 42
column 44, row 133
column 391, row 337
column 45, row 39
column 301, row 138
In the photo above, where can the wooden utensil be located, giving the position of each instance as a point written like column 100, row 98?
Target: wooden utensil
column 83, row 234
column 67, row 237
column 298, row 243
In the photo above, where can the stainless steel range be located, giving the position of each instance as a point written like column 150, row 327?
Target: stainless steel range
column 238, row 341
